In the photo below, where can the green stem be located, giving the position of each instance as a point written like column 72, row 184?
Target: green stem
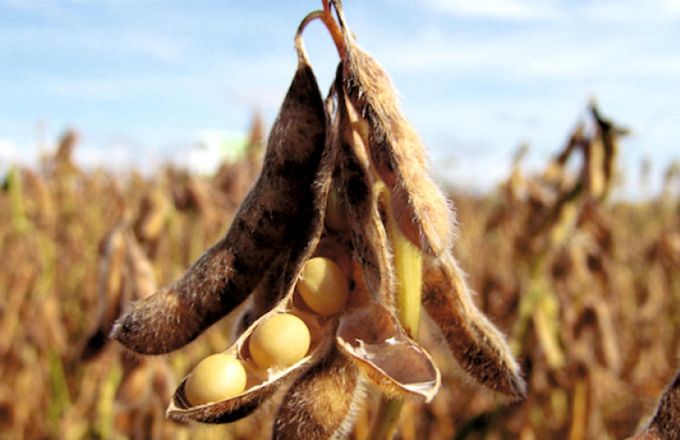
column 408, row 266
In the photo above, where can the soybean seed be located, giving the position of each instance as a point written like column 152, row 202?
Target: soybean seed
column 323, row 286
column 217, row 377
column 280, row 341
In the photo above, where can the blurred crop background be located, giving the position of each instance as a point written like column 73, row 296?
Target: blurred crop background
column 127, row 140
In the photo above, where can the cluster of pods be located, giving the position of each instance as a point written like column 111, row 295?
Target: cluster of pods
column 341, row 240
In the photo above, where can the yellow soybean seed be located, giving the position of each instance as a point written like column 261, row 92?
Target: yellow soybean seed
column 217, row 377
column 323, row 286
column 280, row 341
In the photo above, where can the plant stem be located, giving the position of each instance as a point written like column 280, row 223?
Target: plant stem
column 386, row 419
column 408, row 265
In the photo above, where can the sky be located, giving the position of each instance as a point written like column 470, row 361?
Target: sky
column 143, row 80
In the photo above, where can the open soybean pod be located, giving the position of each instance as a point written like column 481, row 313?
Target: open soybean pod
column 322, row 403
column 372, row 337
column 477, row 345
column 420, row 207
column 278, row 283
column 369, row 334
column 277, row 217
column 261, row 383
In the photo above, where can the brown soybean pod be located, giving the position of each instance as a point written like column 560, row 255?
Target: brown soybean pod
column 374, row 340
column 369, row 237
column 112, row 292
column 274, row 218
column 477, row 345
column 322, row 403
column 125, row 275
column 420, row 208
column 665, row 424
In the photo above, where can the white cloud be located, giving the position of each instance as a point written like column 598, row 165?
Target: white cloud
column 46, row 8
column 492, row 9
column 8, row 155
column 209, row 150
column 113, row 88
column 15, row 153
column 117, row 155
column 8, row 150
column 670, row 6
column 89, row 42
column 571, row 51
column 629, row 12
column 603, row 11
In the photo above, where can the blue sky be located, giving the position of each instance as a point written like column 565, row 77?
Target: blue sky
column 143, row 80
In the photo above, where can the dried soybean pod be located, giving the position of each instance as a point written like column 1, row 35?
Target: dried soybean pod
column 125, row 275
column 477, row 345
column 608, row 134
column 421, row 209
column 259, row 390
column 374, row 340
column 274, row 218
column 261, row 384
column 665, row 424
column 369, row 237
column 322, row 403
column 278, row 283
column 287, row 262
column 111, row 289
